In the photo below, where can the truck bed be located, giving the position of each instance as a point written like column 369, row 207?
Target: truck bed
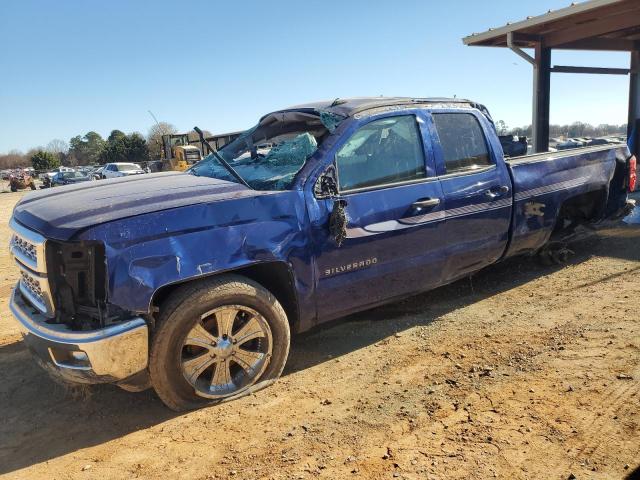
column 544, row 182
column 549, row 156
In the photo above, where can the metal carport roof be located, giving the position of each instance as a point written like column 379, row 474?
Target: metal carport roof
column 592, row 25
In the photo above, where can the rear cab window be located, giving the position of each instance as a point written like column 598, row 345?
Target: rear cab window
column 463, row 143
column 382, row 152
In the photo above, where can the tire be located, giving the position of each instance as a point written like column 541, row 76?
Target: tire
column 13, row 188
column 554, row 254
column 32, row 185
column 181, row 313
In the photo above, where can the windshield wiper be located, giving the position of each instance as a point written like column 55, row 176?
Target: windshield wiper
column 222, row 161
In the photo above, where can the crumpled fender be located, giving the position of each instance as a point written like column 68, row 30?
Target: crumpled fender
column 146, row 252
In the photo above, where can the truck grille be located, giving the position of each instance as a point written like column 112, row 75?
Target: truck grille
column 25, row 248
column 28, row 250
column 36, row 290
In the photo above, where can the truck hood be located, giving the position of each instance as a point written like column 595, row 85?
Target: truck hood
column 61, row 212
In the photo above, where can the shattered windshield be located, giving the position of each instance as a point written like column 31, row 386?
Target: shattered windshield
column 269, row 155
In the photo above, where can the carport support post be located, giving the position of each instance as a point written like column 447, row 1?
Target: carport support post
column 541, row 98
column 634, row 100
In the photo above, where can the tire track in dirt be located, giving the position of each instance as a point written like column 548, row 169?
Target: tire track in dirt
column 600, row 427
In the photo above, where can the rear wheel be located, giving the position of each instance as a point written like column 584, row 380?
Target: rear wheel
column 554, row 253
column 215, row 340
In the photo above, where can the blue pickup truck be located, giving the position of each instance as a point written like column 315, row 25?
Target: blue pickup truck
column 192, row 282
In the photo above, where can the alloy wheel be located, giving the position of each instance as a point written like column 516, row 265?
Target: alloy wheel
column 226, row 351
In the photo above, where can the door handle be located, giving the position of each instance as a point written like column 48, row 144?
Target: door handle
column 426, row 203
column 495, row 192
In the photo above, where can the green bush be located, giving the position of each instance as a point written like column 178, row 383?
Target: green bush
column 42, row 160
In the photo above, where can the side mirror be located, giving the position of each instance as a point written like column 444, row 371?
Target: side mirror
column 326, row 186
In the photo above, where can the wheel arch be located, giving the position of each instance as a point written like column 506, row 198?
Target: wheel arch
column 590, row 203
column 275, row 276
column 585, row 207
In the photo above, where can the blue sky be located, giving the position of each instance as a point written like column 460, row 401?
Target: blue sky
column 70, row 66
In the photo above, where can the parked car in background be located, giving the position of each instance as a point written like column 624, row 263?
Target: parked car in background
column 114, row 170
column 154, row 166
column 568, row 144
column 69, row 178
column 513, row 146
column 97, row 173
column 598, row 141
column 47, row 176
column 86, row 169
column 51, row 173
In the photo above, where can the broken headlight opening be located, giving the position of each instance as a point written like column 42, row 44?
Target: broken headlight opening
column 77, row 274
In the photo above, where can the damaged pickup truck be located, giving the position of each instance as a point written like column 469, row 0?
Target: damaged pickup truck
column 192, row 282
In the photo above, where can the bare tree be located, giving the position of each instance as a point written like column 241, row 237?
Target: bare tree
column 154, row 138
column 502, row 128
column 194, row 137
column 57, row 146
column 14, row 159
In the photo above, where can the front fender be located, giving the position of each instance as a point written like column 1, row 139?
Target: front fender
column 148, row 252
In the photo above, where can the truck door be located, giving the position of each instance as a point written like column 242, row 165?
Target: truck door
column 394, row 209
column 477, row 191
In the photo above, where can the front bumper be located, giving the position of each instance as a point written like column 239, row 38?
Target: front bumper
column 107, row 355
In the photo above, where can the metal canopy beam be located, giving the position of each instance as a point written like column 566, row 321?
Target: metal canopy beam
column 511, row 43
column 590, row 70
column 593, row 29
column 602, row 44
column 541, row 98
column 634, row 101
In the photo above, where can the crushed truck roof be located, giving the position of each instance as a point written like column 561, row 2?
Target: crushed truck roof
column 347, row 107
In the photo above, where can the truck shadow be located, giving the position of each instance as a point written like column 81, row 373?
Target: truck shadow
column 42, row 420
column 362, row 329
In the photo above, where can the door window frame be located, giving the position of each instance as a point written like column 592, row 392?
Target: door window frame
column 437, row 146
column 420, row 118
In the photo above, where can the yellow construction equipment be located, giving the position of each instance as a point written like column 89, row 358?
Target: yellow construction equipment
column 178, row 154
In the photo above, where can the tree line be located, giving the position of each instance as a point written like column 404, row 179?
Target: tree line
column 573, row 130
column 92, row 149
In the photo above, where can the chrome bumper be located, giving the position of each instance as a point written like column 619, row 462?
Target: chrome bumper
column 107, row 355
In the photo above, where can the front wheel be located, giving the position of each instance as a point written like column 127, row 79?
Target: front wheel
column 215, row 340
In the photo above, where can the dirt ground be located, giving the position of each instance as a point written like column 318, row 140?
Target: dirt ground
column 524, row 371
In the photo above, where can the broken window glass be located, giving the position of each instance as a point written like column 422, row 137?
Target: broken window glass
column 330, row 120
column 269, row 155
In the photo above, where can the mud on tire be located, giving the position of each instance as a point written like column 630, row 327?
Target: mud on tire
column 180, row 313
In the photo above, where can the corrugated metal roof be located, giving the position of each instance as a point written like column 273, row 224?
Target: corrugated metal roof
column 595, row 24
